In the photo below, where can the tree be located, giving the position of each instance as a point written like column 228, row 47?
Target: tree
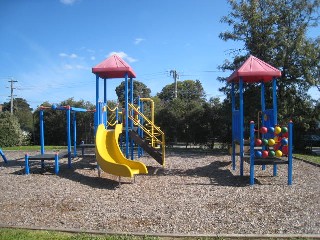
column 188, row 90
column 183, row 118
column 10, row 132
column 275, row 31
column 139, row 90
column 23, row 111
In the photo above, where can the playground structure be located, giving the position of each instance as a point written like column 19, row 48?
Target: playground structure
column 275, row 143
column 134, row 124
column 109, row 155
column 44, row 156
column 3, row 156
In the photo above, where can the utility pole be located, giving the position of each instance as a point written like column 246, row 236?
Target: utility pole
column 11, row 95
column 175, row 76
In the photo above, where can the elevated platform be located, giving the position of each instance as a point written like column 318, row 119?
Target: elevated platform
column 47, row 156
column 84, row 146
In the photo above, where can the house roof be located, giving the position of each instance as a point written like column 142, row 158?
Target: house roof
column 113, row 67
column 254, row 70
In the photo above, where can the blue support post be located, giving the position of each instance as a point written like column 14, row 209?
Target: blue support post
column 41, row 131
column 117, row 114
column 263, row 109
column 275, row 113
column 131, row 122
column 26, row 164
column 3, row 156
column 96, row 122
column 233, row 154
column 56, row 163
column 105, row 114
column 275, row 170
column 142, row 123
column 241, row 125
column 251, row 153
column 274, row 97
column 69, row 135
column 126, row 107
column 74, row 134
column 290, row 164
column 131, row 100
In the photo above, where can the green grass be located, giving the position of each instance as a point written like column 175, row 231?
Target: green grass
column 308, row 157
column 34, row 148
column 22, row 234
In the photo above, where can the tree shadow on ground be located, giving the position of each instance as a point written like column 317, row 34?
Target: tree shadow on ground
column 215, row 171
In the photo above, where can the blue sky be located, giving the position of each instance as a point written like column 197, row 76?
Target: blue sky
column 50, row 46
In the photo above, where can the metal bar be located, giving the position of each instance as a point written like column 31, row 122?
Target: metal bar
column 263, row 109
column 105, row 102
column 290, row 153
column 41, row 131
column 251, row 152
column 3, row 156
column 126, row 106
column 56, row 163
column 233, row 155
column 97, row 104
column 275, row 107
column 74, row 134
column 26, row 164
column 69, row 136
column 241, row 125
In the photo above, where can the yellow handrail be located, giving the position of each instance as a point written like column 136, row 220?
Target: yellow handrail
column 145, row 118
column 112, row 110
column 152, row 134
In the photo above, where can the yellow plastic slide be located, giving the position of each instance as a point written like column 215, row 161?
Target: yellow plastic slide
column 110, row 157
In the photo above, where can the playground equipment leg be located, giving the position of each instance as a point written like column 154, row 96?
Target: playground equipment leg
column 99, row 171
column 56, row 163
column 290, row 154
column 26, row 162
column 69, row 159
column 3, row 156
column 275, row 170
column 251, row 153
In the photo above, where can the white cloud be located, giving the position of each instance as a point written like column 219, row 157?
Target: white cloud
column 124, row 56
column 68, row 2
column 93, row 58
column 68, row 67
column 138, row 40
column 72, row 55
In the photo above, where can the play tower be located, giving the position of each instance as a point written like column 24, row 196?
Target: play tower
column 133, row 127
column 254, row 71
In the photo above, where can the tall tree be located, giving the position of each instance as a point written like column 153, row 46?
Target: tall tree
column 188, row 90
column 183, row 118
column 23, row 112
column 276, row 32
column 10, row 131
column 139, row 89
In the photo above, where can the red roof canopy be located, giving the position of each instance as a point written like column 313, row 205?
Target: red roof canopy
column 113, row 67
column 254, row 70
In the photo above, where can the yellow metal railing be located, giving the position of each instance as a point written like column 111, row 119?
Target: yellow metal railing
column 112, row 117
column 156, row 134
